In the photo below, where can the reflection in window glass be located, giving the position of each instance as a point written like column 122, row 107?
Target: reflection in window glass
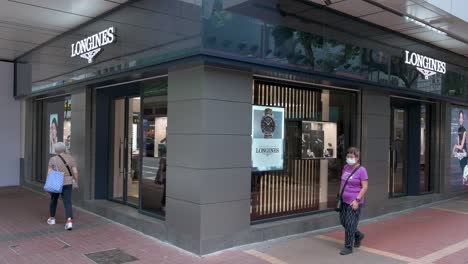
column 53, row 125
column 454, row 84
column 274, row 42
column 426, row 182
column 153, row 185
column 275, row 35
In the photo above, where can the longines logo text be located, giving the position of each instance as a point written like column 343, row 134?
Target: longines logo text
column 425, row 65
column 267, row 151
column 89, row 47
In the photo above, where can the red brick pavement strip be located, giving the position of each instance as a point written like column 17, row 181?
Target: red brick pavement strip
column 416, row 234
column 27, row 216
column 26, row 238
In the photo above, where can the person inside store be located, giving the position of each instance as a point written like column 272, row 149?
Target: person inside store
column 161, row 174
column 66, row 164
column 459, row 149
column 354, row 186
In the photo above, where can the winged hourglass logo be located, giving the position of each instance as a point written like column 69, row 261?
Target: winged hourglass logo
column 90, row 55
column 426, row 73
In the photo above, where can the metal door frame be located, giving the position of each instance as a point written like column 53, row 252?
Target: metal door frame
column 392, row 152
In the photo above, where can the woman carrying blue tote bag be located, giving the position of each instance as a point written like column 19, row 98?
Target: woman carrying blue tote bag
column 61, row 180
column 54, row 181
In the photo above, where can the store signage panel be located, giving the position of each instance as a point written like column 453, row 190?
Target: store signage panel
column 89, row 47
column 267, row 138
column 425, row 65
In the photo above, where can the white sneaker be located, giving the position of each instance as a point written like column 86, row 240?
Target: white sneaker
column 51, row 221
column 69, row 226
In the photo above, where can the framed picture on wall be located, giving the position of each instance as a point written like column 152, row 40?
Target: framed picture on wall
column 319, row 140
column 267, row 138
column 53, row 132
column 459, row 149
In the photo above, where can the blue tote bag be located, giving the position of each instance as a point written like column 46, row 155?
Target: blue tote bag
column 54, row 181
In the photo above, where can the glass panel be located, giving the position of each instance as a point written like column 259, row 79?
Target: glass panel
column 67, row 114
column 317, row 40
column 425, row 183
column 54, row 125
column 399, row 139
column 313, row 154
column 133, row 163
column 153, row 188
column 126, row 168
column 454, row 83
column 119, row 150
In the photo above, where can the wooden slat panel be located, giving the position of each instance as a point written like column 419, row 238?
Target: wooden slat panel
column 290, row 183
column 296, row 181
column 308, row 192
column 301, row 185
column 276, row 192
column 294, row 189
column 296, row 99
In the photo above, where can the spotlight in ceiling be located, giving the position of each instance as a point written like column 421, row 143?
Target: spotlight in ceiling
column 425, row 25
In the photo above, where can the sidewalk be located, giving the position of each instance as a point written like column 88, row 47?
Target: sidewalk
column 431, row 235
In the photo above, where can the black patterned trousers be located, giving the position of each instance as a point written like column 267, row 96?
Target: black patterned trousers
column 349, row 220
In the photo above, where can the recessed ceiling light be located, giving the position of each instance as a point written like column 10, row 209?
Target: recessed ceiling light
column 425, row 25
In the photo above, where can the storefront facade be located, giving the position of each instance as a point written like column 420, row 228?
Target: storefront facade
column 221, row 123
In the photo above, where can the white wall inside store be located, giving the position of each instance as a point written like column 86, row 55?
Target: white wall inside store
column 10, row 128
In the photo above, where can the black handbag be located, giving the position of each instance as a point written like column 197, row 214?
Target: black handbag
column 339, row 196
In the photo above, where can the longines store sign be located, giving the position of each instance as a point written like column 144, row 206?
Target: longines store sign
column 267, row 138
column 425, row 65
column 89, row 47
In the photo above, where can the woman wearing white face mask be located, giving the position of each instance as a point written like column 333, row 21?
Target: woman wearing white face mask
column 355, row 182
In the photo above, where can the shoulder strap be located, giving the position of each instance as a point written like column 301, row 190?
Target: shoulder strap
column 346, row 182
column 64, row 162
column 55, row 163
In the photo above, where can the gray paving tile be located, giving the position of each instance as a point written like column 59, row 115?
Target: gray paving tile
column 458, row 205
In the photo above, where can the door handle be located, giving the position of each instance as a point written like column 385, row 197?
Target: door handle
column 120, row 154
column 394, row 161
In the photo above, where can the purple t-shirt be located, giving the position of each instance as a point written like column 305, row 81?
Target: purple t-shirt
column 354, row 184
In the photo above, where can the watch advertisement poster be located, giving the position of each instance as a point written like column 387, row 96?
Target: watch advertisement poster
column 319, row 140
column 53, row 132
column 267, row 138
column 459, row 160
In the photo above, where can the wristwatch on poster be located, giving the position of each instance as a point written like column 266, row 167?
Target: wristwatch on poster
column 358, row 200
column 268, row 123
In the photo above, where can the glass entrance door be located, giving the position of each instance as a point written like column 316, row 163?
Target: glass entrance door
column 398, row 147
column 410, row 148
column 126, row 151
